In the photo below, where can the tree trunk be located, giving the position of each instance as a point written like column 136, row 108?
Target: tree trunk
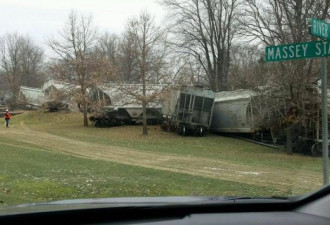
column 145, row 125
column 85, row 114
column 289, row 140
column 144, row 83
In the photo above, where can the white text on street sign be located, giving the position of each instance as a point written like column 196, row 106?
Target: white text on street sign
column 320, row 29
column 297, row 51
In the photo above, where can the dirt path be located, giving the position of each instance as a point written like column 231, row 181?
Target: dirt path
column 280, row 178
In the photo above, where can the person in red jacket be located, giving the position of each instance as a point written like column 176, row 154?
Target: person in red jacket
column 7, row 117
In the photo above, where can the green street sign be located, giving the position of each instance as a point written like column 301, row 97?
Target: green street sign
column 297, row 51
column 320, row 29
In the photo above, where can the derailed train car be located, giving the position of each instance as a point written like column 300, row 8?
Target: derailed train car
column 249, row 114
column 188, row 110
column 115, row 116
column 122, row 105
column 246, row 112
column 234, row 112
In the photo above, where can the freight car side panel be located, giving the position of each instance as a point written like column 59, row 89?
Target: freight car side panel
column 202, row 110
column 188, row 110
column 195, row 107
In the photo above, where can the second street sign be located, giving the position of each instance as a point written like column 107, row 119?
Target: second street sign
column 297, row 51
column 320, row 29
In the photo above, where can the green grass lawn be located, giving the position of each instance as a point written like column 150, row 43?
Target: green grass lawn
column 211, row 145
column 33, row 173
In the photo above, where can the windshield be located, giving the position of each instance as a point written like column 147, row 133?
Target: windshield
column 107, row 99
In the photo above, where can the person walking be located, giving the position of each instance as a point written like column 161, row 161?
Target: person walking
column 7, row 117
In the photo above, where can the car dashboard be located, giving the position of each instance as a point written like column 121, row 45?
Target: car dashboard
column 312, row 209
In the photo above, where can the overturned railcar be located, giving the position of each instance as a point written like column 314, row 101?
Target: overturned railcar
column 248, row 113
column 234, row 112
column 188, row 110
column 122, row 106
column 115, row 116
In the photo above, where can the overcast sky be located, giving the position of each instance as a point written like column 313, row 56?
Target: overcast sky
column 42, row 18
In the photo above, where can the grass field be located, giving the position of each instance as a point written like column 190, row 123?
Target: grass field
column 50, row 156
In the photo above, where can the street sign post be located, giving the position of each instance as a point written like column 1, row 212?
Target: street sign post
column 297, row 51
column 320, row 29
column 324, row 103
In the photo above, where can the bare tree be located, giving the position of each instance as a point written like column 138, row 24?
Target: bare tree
column 280, row 22
column 247, row 68
column 149, row 52
column 20, row 61
column 205, row 30
column 32, row 63
column 128, row 63
column 10, row 61
column 109, row 46
column 75, row 48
